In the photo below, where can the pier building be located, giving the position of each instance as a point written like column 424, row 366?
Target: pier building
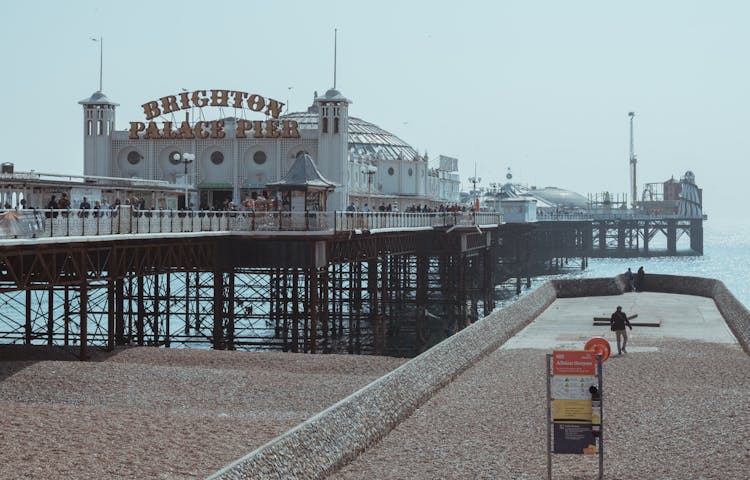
column 235, row 157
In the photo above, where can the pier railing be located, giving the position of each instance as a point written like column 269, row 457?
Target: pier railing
column 39, row 223
column 592, row 215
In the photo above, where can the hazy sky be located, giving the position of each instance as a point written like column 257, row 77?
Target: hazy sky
column 541, row 87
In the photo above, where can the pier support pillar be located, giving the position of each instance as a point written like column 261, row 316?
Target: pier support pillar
column 111, row 329
column 50, row 316
column 421, row 303
column 696, row 236
column 672, row 237
column 84, row 299
column 139, row 323
column 217, row 337
column 120, row 312
column 372, row 291
column 230, row 312
column 646, row 236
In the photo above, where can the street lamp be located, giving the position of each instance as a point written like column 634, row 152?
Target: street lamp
column 186, row 159
column 369, row 170
column 474, row 180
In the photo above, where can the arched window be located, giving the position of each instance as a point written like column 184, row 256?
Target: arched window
column 99, row 127
column 336, row 125
column 89, row 128
column 325, row 124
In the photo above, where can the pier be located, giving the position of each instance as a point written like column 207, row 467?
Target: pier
column 347, row 282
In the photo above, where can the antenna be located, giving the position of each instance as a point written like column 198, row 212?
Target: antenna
column 100, row 40
column 335, row 42
column 633, row 162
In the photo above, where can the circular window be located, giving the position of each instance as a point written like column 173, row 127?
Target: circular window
column 175, row 158
column 390, row 171
column 134, row 157
column 259, row 157
column 411, row 172
column 217, row 157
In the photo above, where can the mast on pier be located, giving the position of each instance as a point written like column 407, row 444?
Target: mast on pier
column 633, row 162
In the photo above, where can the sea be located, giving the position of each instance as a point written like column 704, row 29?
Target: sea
column 726, row 257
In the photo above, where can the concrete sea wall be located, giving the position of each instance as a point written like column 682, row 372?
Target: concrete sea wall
column 338, row 434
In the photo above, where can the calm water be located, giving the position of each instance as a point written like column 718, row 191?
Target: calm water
column 726, row 257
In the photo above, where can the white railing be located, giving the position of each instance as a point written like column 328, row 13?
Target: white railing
column 614, row 214
column 378, row 220
column 38, row 223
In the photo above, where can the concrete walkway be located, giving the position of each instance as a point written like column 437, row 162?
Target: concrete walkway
column 568, row 323
column 676, row 406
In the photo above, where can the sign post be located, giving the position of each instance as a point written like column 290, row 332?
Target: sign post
column 574, row 405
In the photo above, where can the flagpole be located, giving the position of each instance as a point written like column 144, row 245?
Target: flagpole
column 101, row 61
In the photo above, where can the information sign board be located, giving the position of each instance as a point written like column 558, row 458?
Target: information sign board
column 573, row 362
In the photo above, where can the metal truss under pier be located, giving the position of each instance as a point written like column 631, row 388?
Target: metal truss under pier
column 646, row 237
column 393, row 292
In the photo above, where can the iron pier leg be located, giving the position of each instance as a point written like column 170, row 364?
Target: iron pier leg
column 111, row 334
column 120, row 312
column 285, row 307
column 313, row 306
column 187, row 303
column 324, row 317
column 295, row 310
column 306, row 309
column 372, row 290
column 352, row 308
column 50, row 315
column 155, row 302
column 168, row 312
column 84, row 298
column 230, row 312
column 218, row 333
column 28, row 326
column 66, row 316
column 672, row 237
column 141, row 311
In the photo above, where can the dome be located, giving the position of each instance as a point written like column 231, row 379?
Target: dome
column 365, row 138
column 97, row 98
column 560, row 197
column 333, row 95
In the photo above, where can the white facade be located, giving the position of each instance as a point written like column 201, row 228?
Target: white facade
column 519, row 210
column 364, row 161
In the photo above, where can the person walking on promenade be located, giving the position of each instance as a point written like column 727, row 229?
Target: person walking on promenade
column 618, row 321
column 630, row 279
column 639, row 278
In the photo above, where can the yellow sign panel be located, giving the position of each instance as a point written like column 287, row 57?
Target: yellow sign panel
column 578, row 411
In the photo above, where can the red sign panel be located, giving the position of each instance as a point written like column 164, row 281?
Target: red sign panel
column 573, row 362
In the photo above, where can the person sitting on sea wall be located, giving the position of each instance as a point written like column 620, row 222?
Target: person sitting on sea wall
column 630, row 279
column 639, row 279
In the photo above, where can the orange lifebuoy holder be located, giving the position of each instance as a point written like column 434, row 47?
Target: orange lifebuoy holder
column 600, row 346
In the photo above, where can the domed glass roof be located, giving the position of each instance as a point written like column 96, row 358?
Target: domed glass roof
column 365, row 138
column 560, row 197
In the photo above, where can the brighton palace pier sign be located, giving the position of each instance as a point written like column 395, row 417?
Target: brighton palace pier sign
column 270, row 128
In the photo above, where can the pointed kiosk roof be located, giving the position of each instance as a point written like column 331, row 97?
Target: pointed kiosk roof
column 304, row 175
